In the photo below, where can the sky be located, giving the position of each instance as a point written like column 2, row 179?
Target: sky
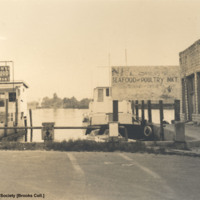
column 66, row 46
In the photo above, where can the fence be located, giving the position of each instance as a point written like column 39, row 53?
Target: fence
column 135, row 111
column 40, row 127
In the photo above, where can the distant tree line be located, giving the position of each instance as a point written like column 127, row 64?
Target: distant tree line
column 57, row 102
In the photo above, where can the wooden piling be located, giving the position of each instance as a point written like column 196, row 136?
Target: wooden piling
column 136, row 110
column 161, row 120
column 115, row 110
column 133, row 107
column 6, row 118
column 126, row 133
column 177, row 110
column 25, row 124
column 149, row 111
column 142, row 109
column 31, row 124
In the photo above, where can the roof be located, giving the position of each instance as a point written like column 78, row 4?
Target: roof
column 99, row 87
column 15, row 82
column 190, row 47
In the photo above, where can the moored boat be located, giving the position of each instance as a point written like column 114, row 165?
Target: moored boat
column 101, row 114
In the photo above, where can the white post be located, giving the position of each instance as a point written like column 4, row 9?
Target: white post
column 113, row 129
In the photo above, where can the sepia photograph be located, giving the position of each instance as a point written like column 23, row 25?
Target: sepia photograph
column 99, row 99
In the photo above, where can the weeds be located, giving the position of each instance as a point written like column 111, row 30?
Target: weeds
column 6, row 145
column 77, row 145
column 88, row 145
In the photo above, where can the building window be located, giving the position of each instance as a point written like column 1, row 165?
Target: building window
column 2, row 95
column 12, row 96
column 22, row 115
column 1, row 103
column 107, row 92
column 18, row 92
column 11, row 117
column 100, row 95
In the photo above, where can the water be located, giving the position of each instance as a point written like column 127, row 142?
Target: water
column 73, row 117
column 61, row 117
column 168, row 115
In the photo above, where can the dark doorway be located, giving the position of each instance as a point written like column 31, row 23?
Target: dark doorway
column 191, row 96
column 198, row 91
column 183, row 96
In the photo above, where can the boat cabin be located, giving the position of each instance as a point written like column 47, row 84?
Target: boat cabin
column 101, row 108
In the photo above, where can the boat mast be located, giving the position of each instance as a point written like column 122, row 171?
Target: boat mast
column 126, row 57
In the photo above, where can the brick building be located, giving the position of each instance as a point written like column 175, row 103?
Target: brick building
column 190, row 79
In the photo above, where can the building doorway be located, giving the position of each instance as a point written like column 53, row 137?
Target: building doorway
column 183, row 96
column 198, row 91
column 191, row 96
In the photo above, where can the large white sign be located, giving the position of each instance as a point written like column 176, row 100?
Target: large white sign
column 146, row 83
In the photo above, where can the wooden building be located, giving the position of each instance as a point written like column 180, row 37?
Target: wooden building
column 13, row 105
column 190, row 79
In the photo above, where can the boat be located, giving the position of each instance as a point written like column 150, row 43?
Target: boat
column 101, row 115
